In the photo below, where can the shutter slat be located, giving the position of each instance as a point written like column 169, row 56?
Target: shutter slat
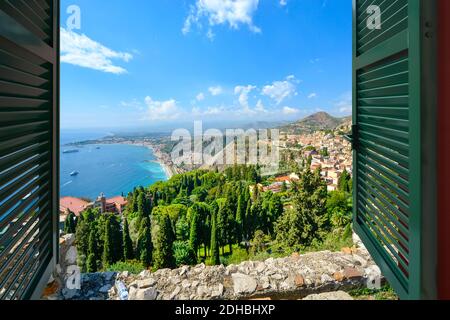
column 32, row 273
column 17, row 217
column 395, row 183
column 398, row 218
column 23, row 193
column 376, row 209
column 381, row 235
column 19, row 90
column 15, row 13
column 7, row 176
column 17, row 76
column 23, row 180
column 22, row 258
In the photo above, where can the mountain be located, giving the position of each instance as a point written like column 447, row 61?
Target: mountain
column 315, row 122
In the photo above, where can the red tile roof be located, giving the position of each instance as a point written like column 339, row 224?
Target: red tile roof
column 73, row 204
column 117, row 200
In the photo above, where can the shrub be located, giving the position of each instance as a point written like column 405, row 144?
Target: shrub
column 183, row 253
column 239, row 255
column 132, row 266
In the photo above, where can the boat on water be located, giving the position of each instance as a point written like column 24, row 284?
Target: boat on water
column 74, row 173
column 71, row 151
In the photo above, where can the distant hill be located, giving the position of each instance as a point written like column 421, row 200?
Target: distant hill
column 315, row 122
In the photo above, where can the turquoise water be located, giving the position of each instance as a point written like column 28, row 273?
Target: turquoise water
column 111, row 169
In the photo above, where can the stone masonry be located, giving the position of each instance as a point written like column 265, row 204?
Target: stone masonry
column 293, row 277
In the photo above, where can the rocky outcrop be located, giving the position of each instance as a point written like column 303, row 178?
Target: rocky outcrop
column 294, row 277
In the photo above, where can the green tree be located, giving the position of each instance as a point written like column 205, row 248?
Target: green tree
column 182, row 229
column 145, row 246
column 128, row 253
column 108, row 245
column 70, row 223
column 248, row 221
column 194, row 234
column 307, row 221
column 184, row 254
column 93, row 253
column 112, row 243
column 240, row 216
column 142, row 206
column 344, row 182
column 215, row 256
column 162, row 255
column 259, row 242
column 82, row 233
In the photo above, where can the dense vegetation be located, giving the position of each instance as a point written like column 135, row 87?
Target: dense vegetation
column 215, row 217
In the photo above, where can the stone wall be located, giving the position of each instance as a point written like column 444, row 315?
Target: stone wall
column 293, row 277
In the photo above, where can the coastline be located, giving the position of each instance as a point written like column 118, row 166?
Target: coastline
column 114, row 170
column 162, row 158
column 168, row 168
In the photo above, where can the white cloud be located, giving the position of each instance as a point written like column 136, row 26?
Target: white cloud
column 132, row 104
column 161, row 110
column 283, row 3
column 200, row 97
column 290, row 111
column 243, row 92
column 280, row 90
column 344, row 103
column 210, row 35
column 210, row 111
column 217, row 12
column 215, row 91
column 80, row 50
column 312, row 95
column 260, row 107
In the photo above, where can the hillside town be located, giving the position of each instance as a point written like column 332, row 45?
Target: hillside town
column 326, row 150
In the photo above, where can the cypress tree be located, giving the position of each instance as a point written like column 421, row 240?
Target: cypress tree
column 240, row 216
column 194, row 234
column 82, row 235
column 127, row 243
column 108, row 245
column 141, row 205
column 248, row 220
column 221, row 226
column 70, row 223
column 163, row 255
column 215, row 257
column 306, row 222
column 145, row 246
column 93, row 257
column 343, row 182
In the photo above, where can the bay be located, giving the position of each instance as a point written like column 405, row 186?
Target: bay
column 112, row 169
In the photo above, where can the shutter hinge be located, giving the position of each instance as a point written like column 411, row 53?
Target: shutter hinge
column 353, row 137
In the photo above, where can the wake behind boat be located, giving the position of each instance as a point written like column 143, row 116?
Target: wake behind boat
column 71, row 151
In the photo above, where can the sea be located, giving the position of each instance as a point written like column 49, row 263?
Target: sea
column 112, row 169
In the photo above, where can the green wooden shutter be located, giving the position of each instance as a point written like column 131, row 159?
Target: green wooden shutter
column 29, row 135
column 389, row 133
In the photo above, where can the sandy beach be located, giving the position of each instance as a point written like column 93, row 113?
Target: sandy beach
column 160, row 158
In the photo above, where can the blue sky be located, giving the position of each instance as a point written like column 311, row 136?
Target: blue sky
column 152, row 63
